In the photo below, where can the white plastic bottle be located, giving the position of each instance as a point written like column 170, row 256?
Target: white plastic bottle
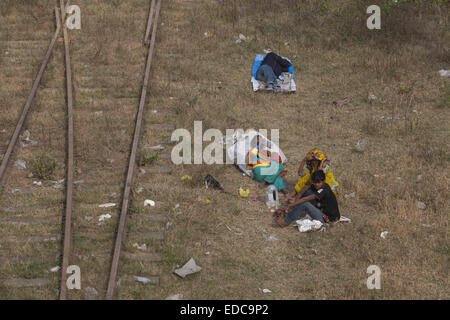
column 272, row 197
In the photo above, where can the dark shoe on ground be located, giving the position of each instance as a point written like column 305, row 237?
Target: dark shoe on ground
column 269, row 87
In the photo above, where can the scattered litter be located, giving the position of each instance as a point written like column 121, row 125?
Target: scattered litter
column 58, row 186
column 207, row 253
column 419, row 178
column 244, row 193
column 272, row 237
column 372, row 97
column 168, row 224
column 299, row 257
column 421, row 205
column 142, row 247
column 189, row 268
column 37, row 183
column 208, row 200
column 88, row 218
column 392, row 118
column 139, row 190
column 207, row 34
column 384, row 234
column 177, row 206
column 98, row 113
column 361, row 145
column 426, row 225
column 266, row 291
column 110, row 160
column 341, row 102
column 3, row 131
column 141, row 171
column 444, row 73
column 103, row 217
column 208, row 243
column 149, row 203
column 143, row 280
column 158, row 147
column 307, row 225
column 138, row 75
column 90, row 293
column 211, row 182
column 113, row 195
column 315, row 251
column 266, row 51
column 286, row 43
column 7, row 52
column 26, row 141
column 177, row 296
column 255, row 198
column 78, row 182
column 186, row 178
column 350, row 195
column 15, row 191
column 344, row 219
column 333, row 146
column 154, row 111
column 21, row 164
column 55, row 269
column 107, row 205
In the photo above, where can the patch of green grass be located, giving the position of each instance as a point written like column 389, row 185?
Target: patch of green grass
column 43, row 167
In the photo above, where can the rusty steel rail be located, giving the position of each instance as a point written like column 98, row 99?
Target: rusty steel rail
column 132, row 164
column 67, row 240
column 37, row 81
column 149, row 23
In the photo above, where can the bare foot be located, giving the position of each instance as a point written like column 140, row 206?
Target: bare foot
column 341, row 102
column 280, row 221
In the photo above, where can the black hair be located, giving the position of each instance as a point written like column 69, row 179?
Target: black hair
column 318, row 176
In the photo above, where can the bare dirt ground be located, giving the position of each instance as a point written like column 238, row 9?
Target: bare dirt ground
column 233, row 239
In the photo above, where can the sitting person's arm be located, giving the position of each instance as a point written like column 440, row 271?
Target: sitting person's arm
column 299, row 201
column 283, row 62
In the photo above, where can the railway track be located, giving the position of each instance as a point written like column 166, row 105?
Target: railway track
column 91, row 122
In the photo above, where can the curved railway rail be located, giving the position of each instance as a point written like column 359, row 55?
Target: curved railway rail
column 66, row 208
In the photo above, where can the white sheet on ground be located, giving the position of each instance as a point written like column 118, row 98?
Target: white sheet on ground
column 242, row 142
column 306, row 224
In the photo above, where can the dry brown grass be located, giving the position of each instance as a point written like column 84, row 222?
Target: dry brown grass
column 334, row 56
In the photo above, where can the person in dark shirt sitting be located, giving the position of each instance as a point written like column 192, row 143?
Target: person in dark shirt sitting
column 320, row 204
column 271, row 68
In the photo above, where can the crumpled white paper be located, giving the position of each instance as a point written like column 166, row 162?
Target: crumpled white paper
column 307, row 225
column 189, row 268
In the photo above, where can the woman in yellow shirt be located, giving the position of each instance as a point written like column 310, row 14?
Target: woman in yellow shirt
column 314, row 160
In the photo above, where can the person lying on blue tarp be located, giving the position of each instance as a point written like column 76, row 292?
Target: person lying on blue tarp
column 271, row 68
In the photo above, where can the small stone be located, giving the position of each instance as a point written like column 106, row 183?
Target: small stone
column 177, row 296
column 361, row 145
column 350, row 195
column 90, row 293
column 421, row 205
